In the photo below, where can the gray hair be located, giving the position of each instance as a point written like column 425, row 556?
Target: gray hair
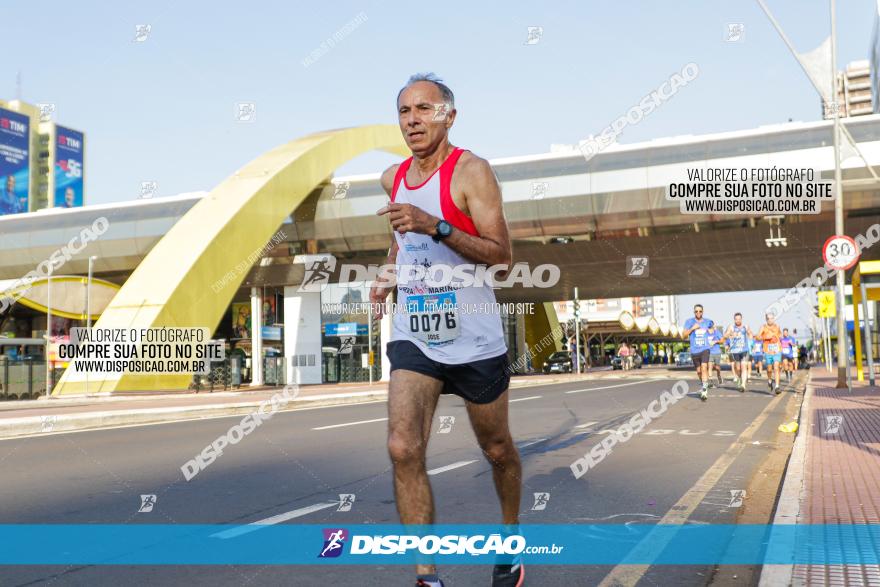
column 447, row 94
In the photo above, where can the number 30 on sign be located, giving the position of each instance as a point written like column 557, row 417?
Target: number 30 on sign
column 840, row 252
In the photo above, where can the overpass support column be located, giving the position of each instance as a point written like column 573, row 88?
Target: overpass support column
column 256, row 337
column 302, row 336
column 384, row 337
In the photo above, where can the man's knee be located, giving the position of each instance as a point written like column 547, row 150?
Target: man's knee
column 405, row 450
column 500, row 450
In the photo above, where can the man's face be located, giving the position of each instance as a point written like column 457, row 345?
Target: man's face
column 68, row 197
column 698, row 313
column 738, row 320
column 423, row 117
column 785, row 332
column 10, row 183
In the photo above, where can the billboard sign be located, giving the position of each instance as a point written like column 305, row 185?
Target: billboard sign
column 69, row 155
column 15, row 162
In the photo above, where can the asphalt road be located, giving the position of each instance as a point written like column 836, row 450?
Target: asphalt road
column 299, row 460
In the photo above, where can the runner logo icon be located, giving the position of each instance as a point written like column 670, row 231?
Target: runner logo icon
column 318, row 269
column 334, row 542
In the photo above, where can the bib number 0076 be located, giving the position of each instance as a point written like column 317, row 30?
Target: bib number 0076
column 434, row 326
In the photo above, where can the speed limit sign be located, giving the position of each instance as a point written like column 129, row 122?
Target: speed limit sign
column 840, row 252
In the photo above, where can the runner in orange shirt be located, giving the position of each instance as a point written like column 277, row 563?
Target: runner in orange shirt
column 770, row 335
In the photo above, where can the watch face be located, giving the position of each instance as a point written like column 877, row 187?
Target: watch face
column 444, row 228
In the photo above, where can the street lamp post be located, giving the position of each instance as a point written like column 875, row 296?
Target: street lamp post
column 89, row 294
column 89, row 306
column 48, row 330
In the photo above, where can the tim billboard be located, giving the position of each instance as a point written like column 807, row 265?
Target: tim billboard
column 69, row 149
column 15, row 162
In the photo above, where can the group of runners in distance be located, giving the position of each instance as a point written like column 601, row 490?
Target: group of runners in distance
column 770, row 346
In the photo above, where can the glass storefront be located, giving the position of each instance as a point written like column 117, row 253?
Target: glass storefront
column 346, row 335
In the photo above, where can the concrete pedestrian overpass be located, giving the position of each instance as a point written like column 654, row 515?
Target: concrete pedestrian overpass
column 585, row 216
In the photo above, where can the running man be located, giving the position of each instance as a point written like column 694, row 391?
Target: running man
column 758, row 356
column 697, row 329
column 715, row 353
column 738, row 337
column 446, row 208
column 789, row 350
column 770, row 336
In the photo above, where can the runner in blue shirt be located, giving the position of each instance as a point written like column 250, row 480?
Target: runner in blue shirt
column 715, row 338
column 758, row 356
column 738, row 337
column 789, row 347
column 697, row 330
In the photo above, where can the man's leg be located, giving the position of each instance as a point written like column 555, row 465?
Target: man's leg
column 489, row 422
column 412, row 399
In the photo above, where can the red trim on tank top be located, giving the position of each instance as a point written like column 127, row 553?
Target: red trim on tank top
column 452, row 213
column 442, row 165
column 401, row 174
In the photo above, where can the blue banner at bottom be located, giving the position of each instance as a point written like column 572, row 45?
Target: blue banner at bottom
column 564, row 544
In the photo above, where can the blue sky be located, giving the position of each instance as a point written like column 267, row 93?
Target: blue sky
column 163, row 109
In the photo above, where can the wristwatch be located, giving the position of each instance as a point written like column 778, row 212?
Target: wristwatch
column 444, row 229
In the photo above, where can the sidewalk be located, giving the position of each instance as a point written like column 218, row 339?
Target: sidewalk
column 47, row 415
column 833, row 477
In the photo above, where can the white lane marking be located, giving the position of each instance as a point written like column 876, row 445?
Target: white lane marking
column 185, row 420
column 350, row 424
column 608, row 386
column 531, row 442
column 587, row 425
column 522, row 399
column 439, row 470
column 259, row 525
column 626, row 574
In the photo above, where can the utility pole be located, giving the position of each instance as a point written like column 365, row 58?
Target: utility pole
column 842, row 356
column 831, row 99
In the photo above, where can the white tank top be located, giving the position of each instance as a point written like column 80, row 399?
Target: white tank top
column 449, row 323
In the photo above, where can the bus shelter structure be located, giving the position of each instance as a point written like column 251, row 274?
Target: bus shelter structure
column 633, row 331
column 865, row 288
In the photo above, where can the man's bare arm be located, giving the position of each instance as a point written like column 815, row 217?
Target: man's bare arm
column 484, row 204
column 483, row 201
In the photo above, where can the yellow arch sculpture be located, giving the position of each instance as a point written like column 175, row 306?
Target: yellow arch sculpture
column 172, row 285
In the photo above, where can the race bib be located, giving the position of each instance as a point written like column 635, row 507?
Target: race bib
column 700, row 336
column 433, row 318
column 773, row 348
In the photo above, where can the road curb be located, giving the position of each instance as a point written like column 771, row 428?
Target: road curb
column 789, row 505
column 42, row 425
